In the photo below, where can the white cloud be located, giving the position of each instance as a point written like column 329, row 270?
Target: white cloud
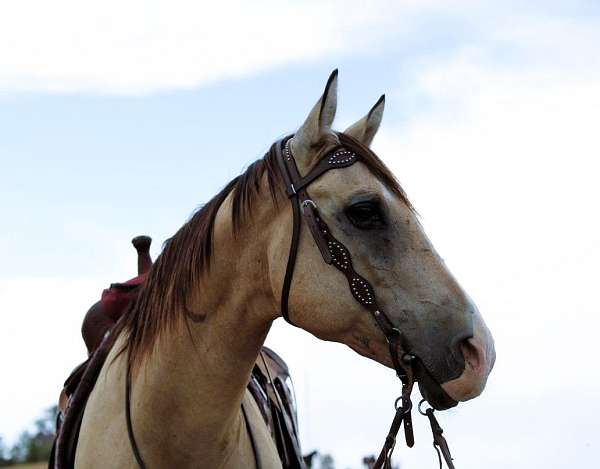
column 143, row 46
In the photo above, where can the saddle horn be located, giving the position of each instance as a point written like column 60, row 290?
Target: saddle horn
column 142, row 246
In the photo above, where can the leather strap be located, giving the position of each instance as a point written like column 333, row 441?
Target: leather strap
column 282, row 417
column 403, row 414
column 289, row 271
column 385, row 456
column 332, row 250
column 439, row 442
column 252, row 439
column 130, row 433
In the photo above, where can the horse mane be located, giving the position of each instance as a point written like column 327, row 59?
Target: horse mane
column 187, row 254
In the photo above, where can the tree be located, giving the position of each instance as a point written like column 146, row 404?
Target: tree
column 326, row 462
column 5, row 460
column 34, row 446
column 369, row 462
column 315, row 460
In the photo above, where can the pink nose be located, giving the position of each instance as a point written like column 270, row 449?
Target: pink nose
column 479, row 355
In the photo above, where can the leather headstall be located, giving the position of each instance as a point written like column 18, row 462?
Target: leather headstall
column 334, row 252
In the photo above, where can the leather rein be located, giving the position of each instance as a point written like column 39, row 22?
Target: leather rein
column 335, row 253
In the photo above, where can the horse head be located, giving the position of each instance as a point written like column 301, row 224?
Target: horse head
column 368, row 212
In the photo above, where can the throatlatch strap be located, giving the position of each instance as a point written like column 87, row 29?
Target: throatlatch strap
column 289, row 271
column 293, row 195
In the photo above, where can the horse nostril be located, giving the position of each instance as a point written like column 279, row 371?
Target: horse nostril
column 473, row 354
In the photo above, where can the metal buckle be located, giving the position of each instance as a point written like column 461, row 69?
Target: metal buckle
column 306, row 203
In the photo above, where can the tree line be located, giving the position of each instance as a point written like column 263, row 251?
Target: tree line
column 35, row 446
column 32, row 445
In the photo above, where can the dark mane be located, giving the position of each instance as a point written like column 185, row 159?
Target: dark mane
column 187, row 254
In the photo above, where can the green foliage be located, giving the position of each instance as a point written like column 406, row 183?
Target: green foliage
column 5, row 460
column 326, row 462
column 315, row 460
column 32, row 446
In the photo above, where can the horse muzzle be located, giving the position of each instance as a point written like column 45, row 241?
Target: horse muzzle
column 479, row 357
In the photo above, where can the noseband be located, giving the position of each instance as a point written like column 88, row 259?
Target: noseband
column 334, row 252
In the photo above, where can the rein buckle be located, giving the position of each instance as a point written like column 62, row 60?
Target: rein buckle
column 307, row 203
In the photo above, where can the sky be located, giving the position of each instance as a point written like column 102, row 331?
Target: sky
column 121, row 118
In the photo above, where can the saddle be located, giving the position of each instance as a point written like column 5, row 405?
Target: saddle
column 268, row 383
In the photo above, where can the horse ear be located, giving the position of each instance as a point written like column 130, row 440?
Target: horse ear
column 317, row 124
column 365, row 129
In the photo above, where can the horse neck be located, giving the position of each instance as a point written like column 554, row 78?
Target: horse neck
column 193, row 384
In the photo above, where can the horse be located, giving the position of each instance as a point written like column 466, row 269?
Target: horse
column 172, row 392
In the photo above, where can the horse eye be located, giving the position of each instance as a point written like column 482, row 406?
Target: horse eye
column 365, row 215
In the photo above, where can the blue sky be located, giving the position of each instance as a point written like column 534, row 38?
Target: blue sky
column 137, row 160
column 121, row 120
column 145, row 162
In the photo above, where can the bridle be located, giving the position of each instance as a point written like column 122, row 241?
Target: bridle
column 334, row 252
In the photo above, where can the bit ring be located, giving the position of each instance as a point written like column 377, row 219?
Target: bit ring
column 420, row 404
column 397, row 407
